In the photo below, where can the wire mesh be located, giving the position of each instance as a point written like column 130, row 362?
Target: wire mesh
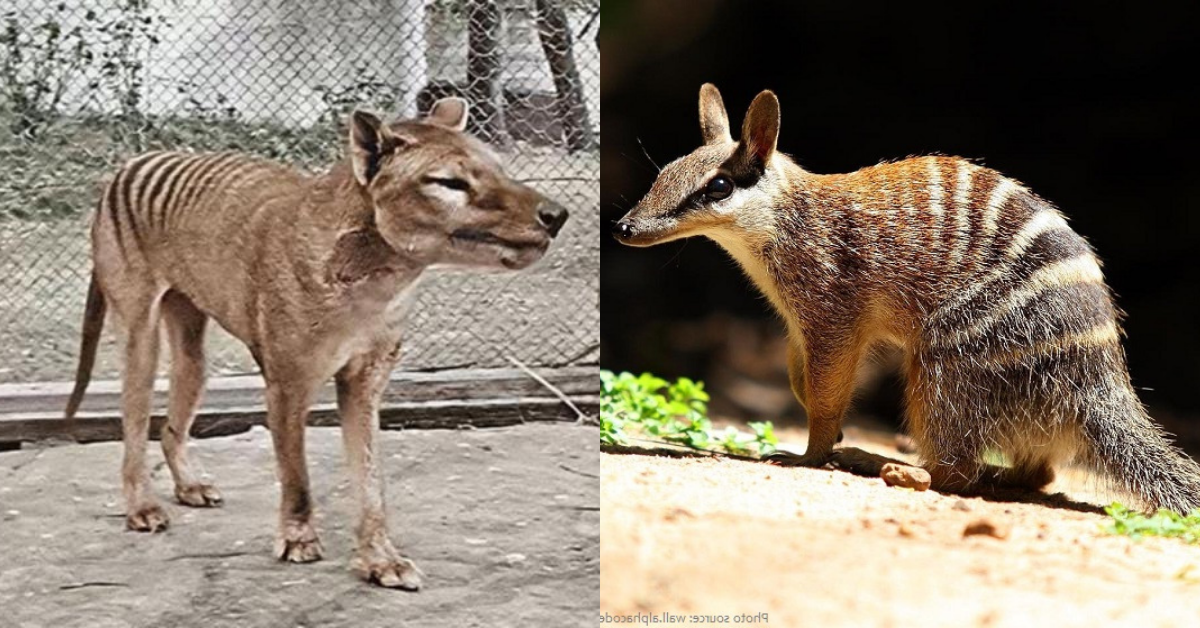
column 85, row 85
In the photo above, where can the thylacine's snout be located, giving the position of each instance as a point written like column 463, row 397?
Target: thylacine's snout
column 551, row 216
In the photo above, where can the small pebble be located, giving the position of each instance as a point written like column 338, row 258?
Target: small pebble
column 905, row 476
column 961, row 504
column 985, row 527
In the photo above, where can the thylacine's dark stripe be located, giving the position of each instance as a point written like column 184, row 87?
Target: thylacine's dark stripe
column 200, row 181
column 189, row 186
column 220, row 175
column 132, row 177
column 226, row 164
column 166, row 175
column 150, row 174
column 182, row 180
column 111, row 199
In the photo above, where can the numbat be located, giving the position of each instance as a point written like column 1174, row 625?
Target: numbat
column 314, row 274
column 1010, row 335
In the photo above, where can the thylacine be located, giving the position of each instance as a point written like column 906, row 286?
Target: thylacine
column 1010, row 336
column 314, row 274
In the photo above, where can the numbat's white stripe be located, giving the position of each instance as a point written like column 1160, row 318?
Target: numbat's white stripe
column 1079, row 270
column 961, row 241
column 1041, row 222
column 936, row 197
column 1095, row 337
column 991, row 213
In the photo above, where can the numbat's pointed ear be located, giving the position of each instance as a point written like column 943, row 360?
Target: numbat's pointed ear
column 450, row 113
column 714, row 122
column 760, row 130
column 370, row 142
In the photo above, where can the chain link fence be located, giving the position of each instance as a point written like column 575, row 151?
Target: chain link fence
column 85, row 85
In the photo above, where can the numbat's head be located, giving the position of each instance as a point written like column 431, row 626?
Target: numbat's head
column 443, row 195
column 721, row 186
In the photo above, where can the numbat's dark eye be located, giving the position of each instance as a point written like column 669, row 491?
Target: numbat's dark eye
column 718, row 188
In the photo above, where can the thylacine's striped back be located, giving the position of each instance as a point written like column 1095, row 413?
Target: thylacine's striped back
column 1011, row 337
column 156, row 191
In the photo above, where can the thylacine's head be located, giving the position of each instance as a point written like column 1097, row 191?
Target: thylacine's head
column 443, row 196
column 723, row 188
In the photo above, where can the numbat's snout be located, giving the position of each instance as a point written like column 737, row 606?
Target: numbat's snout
column 1011, row 339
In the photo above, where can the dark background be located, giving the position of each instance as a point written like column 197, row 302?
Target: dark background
column 1091, row 106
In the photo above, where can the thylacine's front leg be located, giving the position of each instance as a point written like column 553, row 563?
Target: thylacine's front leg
column 288, row 399
column 360, row 385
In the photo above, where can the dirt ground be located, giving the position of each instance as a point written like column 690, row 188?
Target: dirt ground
column 504, row 523
column 815, row 547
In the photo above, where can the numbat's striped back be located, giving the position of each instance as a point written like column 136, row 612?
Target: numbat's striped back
column 155, row 192
column 1011, row 337
column 969, row 263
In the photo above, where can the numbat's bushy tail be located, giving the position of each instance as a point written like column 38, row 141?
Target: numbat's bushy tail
column 1011, row 338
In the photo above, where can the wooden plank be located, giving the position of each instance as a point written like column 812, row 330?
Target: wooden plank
column 246, row 390
column 445, row 400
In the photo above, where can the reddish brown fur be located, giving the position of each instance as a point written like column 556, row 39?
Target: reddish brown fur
column 1010, row 334
column 314, row 274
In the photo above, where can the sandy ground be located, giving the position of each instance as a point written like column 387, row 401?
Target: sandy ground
column 503, row 522
column 825, row 548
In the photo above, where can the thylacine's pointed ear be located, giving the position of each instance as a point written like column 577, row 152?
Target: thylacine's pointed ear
column 714, row 122
column 450, row 113
column 760, row 130
column 370, row 141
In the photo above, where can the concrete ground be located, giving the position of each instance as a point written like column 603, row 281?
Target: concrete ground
column 504, row 523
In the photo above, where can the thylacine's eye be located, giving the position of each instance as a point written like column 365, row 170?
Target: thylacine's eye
column 720, row 187
column 453, row 183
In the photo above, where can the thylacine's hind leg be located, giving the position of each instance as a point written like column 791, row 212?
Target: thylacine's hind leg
column 185, row 332
column 139, row 308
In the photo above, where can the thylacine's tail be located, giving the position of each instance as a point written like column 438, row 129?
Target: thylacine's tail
column 1136, row 453
column 93, row 324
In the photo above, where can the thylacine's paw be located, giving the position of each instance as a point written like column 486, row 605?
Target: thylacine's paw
column 386, row 568
column 148, row 517
column 298, row 543
column 198, row 495
column 789, row 459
